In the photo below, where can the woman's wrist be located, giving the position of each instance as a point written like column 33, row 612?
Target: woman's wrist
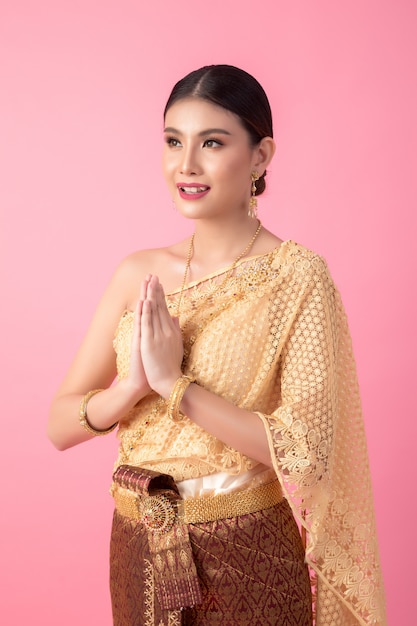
column 84, row 421
column 164, row 387
column 108, row 407
column 175, row 398
column 132, row 392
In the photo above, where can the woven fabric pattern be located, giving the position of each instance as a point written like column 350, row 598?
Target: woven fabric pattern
column 251, row 571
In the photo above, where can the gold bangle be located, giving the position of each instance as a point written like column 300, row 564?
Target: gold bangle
column 83, row 415
column 177, row 393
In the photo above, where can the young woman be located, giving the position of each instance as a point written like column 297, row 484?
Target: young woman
column 236, row 399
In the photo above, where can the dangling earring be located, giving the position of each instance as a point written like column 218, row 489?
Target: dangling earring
column 253, row 202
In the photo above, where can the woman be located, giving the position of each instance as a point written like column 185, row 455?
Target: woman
column 236, row 399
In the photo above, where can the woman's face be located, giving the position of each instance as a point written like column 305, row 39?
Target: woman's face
column 207, row 159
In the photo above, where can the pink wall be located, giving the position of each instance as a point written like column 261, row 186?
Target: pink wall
column 82, row 87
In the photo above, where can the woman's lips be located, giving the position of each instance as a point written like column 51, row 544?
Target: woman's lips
column 192, row 191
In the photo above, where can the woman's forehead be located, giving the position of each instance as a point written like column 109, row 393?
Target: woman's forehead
column 198, row 114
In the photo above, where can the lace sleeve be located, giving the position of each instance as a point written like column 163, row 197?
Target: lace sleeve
column 317, row 442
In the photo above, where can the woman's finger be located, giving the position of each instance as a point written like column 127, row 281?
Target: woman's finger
column 163, row 313
column 147, row 326
column 153, row 299
column 137, row 327
column 144, row 287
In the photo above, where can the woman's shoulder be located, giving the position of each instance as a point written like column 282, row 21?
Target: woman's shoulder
column 293, row 258
column 166, row 262
column 155, row 255
column 289, row 251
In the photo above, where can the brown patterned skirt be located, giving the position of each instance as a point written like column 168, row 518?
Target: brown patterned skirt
column 251, row 571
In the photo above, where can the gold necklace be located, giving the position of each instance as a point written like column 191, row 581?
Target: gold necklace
column 230, row 271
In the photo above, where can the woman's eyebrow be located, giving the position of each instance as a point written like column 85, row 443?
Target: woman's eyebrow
column 203, row 133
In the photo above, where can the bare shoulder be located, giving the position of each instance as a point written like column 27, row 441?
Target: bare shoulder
column 166, row 263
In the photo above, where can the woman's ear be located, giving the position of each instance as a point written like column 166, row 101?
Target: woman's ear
column 263, row 154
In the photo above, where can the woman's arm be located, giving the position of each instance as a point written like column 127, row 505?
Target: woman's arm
column 162, row 353
column 94, row 367
column 238, row 428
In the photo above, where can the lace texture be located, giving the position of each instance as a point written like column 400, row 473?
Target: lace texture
column 273, row 338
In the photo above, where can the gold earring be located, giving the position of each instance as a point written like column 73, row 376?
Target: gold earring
column 253, row 202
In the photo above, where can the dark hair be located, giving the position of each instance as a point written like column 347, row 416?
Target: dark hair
column 235, row 90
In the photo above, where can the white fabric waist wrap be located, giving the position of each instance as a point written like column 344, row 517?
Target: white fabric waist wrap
column 222, row 482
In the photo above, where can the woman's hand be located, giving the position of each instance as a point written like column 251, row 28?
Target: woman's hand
column 160, row 341
column 137, row 376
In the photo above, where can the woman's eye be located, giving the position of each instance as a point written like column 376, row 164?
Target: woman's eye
column 212, row 143
column 174, row 143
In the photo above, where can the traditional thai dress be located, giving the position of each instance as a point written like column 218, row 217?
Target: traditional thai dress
column 271, row 337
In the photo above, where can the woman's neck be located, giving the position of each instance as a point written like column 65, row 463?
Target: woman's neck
column 219, row 243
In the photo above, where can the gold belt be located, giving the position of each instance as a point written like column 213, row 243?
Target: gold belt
column 159, row 513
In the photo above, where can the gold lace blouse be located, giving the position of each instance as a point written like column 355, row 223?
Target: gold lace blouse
column 272, row 337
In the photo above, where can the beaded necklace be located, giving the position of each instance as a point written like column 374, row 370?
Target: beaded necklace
column 228, row 273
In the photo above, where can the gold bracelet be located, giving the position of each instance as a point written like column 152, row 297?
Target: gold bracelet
column 177, row 393
column 83, row 415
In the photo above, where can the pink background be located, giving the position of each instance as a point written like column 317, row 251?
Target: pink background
column 82, row 88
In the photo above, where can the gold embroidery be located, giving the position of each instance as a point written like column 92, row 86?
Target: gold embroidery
column 149, row 591
column 174, row 617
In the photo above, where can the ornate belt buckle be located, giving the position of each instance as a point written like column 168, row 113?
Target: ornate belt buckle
column 157, row 513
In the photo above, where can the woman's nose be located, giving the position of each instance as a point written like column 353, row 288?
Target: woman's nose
column 189, row 162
